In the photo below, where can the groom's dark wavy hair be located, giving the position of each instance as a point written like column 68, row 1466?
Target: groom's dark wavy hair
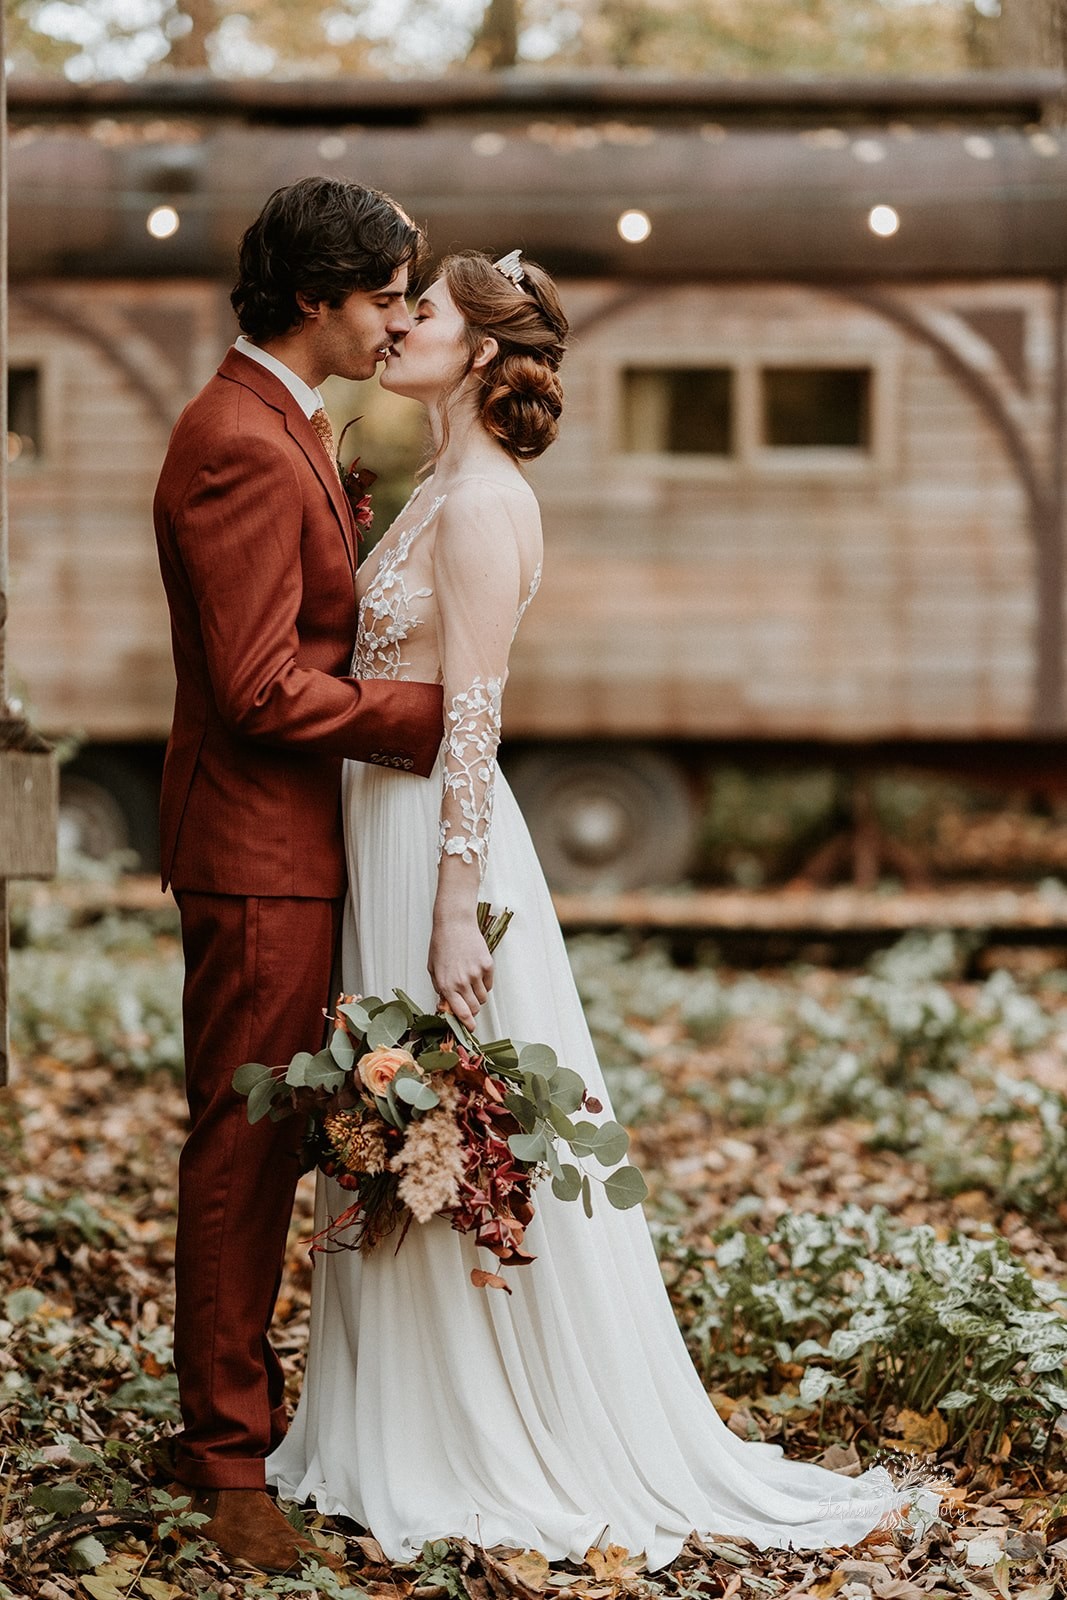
column 323, row 238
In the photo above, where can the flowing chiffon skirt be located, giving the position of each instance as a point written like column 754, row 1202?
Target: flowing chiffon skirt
column 568, row 1413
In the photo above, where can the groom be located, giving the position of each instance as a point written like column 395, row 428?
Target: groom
column 257, row 546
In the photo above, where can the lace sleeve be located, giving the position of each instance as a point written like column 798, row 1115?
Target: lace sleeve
column 472, row 733
column 476, row 569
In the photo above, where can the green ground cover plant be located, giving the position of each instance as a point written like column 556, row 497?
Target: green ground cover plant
column 858, row 1197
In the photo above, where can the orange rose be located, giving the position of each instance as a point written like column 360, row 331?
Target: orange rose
column 380, row 1067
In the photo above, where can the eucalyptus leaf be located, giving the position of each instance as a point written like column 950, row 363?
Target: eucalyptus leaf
column 296, row 1071
column 413, row 1011
column 561, row 1122
column 537, row 1089
column 323, row 1071
column 261, row 1097
column 583, row 1140
column 437, row 1060
column 540, row 1058
column 528, row 1146
column 386, row 1027
column 524, row 1113
column 568, row 1185
column 625, row 1187
column 342, row 1049
column 567, row 1089
column 552, row 1161
column 415, row 1092
column 387, row 1110
column 246, row 1077
column 587, row 1196
column 355, row 1012
column 612, row 1144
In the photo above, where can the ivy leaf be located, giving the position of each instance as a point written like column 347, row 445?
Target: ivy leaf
column 62, row 1499
column 87, row 1553
column 22, row 1304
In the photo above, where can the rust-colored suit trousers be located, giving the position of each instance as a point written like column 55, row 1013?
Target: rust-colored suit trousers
column 257, row 980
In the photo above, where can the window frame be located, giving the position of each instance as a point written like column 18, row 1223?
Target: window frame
column 44, row 363
column 752, row 457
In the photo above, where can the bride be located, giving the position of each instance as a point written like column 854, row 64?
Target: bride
column 568, row 1413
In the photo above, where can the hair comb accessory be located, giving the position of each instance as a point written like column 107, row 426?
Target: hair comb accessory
column 511, row 266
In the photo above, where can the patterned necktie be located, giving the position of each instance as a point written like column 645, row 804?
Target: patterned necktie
column 321, row 424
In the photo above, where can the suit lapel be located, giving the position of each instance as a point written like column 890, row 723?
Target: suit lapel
column 242, row 369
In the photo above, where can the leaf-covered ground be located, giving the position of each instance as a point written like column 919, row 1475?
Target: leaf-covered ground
column 860, row 1195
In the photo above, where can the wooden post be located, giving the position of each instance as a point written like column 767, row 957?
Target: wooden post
column 28, row 780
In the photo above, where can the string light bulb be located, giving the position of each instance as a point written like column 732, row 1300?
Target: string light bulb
column 163, row 222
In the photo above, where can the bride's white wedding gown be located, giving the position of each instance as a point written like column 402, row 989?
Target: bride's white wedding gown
column 567, row 1413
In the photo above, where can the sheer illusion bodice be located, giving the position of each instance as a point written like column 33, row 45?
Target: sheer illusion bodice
column 402, row 632
column 567, row 1413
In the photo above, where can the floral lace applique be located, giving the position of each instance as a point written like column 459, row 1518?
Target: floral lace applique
column 535, row 584
column 472, row 734
column 386, row 617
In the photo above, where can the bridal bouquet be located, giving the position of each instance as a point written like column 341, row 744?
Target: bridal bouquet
column 415, row 1118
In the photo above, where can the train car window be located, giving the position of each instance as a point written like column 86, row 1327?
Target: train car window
column 678, row 410
column 817, row 408
column 23, row 413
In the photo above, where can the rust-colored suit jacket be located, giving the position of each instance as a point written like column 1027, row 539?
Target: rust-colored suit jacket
column 257, row 549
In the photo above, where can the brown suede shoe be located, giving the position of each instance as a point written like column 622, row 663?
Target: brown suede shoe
column 247, row 1525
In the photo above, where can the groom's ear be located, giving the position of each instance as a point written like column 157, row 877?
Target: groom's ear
column 308, row 306
column 485, row 353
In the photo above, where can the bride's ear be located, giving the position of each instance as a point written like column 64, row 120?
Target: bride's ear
column 485, row 353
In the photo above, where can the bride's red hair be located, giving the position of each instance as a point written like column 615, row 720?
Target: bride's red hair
column 520, row 398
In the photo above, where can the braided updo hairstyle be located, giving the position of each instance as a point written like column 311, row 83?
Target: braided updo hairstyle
column 519, row 398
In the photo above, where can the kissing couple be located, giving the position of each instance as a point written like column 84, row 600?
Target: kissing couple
column 331, row 781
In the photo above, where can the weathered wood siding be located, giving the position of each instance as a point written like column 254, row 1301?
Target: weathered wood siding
column 891, row 594
column 88, row 638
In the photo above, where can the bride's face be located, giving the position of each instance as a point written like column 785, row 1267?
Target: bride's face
column 428, row 361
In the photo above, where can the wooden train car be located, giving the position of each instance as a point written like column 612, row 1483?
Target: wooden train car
column 810, row 492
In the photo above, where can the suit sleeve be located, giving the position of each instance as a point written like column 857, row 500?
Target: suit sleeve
column 238, row 531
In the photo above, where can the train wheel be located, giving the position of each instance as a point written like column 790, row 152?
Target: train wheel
column 108, row 807
column 606, row 819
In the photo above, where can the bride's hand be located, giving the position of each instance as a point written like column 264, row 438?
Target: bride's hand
column 460, row 966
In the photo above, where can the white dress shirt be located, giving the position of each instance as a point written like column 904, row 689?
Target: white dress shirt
column 309, row 400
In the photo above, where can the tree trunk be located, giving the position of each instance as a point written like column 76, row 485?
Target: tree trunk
column 189, row 49
column 496, row 44
column 1031, row 33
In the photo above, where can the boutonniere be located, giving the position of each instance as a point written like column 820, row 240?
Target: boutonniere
column 356, row 482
